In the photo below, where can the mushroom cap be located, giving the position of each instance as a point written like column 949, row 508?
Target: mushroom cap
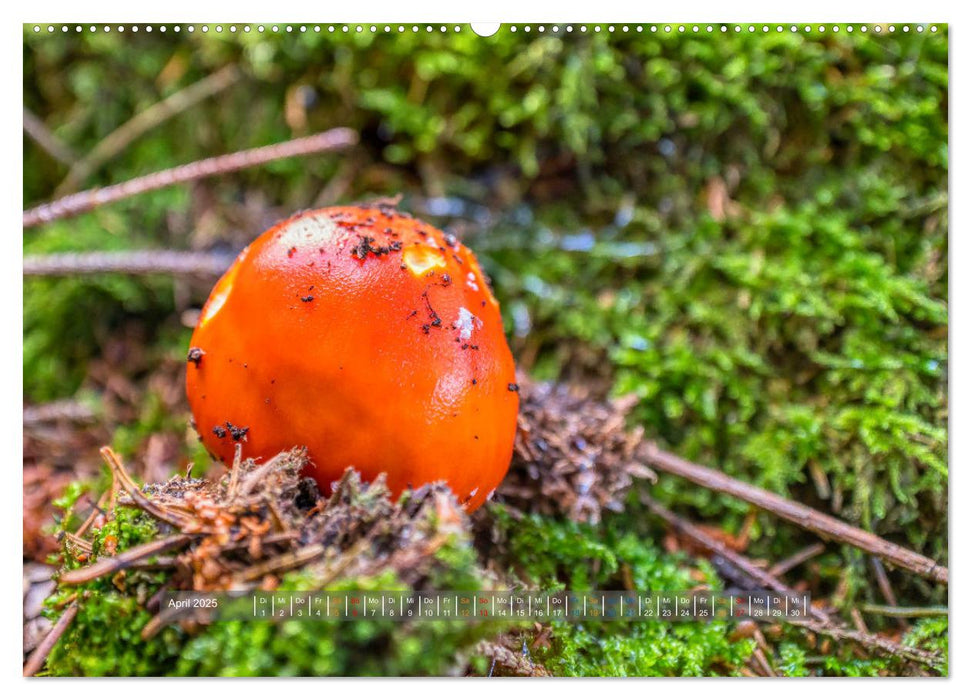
column 367, row 336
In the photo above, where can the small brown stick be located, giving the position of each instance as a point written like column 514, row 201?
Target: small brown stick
column 762, row 653
column 291, row 560
column 95, row 512
column 858, row 621
column 102, row 567
column 895, row 611
column 67, row 410
column 275, row 538
column 39, row 656
column 141, row 500
column 60, row 605
column 276, row 516
column 257, row 477
column 886, row 590
column 823, row 525
column 763, row 663
column 234, row 474
column 146, row 120
column 821, row 624
column 740, row 562
column 42, row 136
column 177, row 263
column 883, row 582
column 284, row 562
column 74, row 204
column 163, row 618
column 113, row 493
column 800, row 557
column 81, row 544
column 160, row 564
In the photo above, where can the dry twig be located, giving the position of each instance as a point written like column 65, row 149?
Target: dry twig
column 896, row 611
column 42, row 136
column 109, row 565
column 141, row 500
column 823, row 525
column 36, row 661
column 130, row 262
column 74, row 204
column 800, row 557
column 883, row 582
column 66, row 410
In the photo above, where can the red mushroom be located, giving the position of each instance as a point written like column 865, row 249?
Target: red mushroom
column 367, row 336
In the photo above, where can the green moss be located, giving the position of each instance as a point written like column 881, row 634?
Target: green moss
column 66, row 503
column 792, row 660
column 563, row 555
column 931, row 634
column 851, row 667
column 787, row 349
column 105, row 637
column 128, row 527
column 793, row 656
column 644, row 649
column 334, row 648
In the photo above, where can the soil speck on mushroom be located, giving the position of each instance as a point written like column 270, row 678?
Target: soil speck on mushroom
column 238, row 433
column 195, row 356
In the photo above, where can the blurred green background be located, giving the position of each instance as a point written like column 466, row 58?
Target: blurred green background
column 747, row 230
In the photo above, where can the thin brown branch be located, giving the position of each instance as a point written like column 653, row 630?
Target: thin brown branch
column 896, row 611
column 821, row 623
column 164, row 618
column 141, row 500
column 234, row 474
column 93, row 515
column 39, row 656
column 74, row 204
column 883, row 581
column 286, row 561
column 858, row 622
column 800, row 557
column 38, row 132
column 256, row 477
column 110, row 565
column 763, row 663
column 709, row 543
column 79, row 542
column 143, row 122
column 808, row 518
column 66, row 410
column 130, row 262
column 304, row 555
